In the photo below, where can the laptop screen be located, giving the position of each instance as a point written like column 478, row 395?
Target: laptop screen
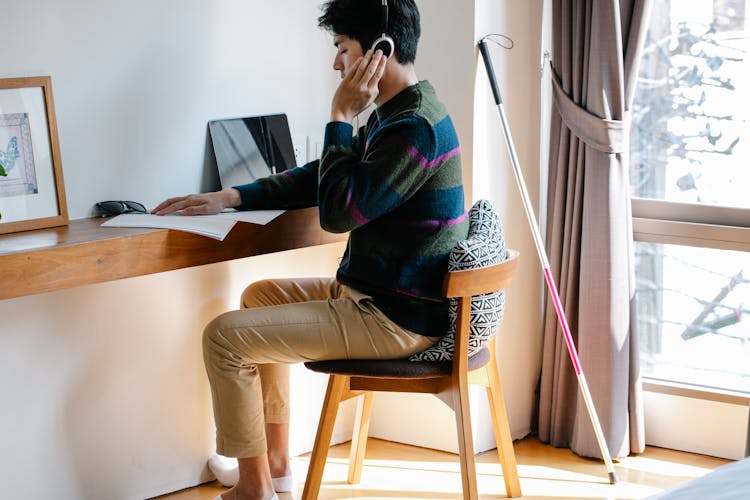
column 249, row 148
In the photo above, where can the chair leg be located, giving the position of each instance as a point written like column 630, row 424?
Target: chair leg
column 502, row 427
column 359, row 437
column 462, row 412
column 336, row 387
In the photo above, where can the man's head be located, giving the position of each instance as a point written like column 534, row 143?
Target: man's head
column 360, row 20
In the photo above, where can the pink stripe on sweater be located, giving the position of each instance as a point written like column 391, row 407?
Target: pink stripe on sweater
column 353, row 210
column 442, row 223
column 414, row 152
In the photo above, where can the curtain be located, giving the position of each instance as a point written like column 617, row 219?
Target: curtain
column 596, row 47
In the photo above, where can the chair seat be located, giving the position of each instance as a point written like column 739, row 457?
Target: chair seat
column 394, row 368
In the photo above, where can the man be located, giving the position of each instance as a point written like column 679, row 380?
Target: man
column 396, row 188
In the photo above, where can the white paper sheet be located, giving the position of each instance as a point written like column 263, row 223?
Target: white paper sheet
column 212, row 226
column 262, row 217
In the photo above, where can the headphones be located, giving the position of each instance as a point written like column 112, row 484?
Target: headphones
column 384, row 42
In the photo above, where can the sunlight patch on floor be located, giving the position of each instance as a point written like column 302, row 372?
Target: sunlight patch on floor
column 664, row 467
column 397, row 471
column 395, row 479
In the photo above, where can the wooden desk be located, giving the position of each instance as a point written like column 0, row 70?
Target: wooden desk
column 84, row 252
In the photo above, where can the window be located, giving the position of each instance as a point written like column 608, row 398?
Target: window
column 690, row 187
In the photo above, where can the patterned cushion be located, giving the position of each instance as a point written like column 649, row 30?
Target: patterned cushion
column 484, row 246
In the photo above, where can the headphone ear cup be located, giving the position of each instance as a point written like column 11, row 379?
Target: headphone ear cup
column 384, row 43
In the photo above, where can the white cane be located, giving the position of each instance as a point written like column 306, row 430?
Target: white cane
column 546, row 267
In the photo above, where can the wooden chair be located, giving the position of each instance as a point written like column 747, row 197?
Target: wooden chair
column 449, row 380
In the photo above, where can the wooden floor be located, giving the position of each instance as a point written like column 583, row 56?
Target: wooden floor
column 396, row 471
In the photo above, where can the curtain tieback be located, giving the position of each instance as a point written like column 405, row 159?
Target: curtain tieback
column 608, row 136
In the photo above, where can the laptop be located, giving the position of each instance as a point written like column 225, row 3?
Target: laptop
column 249, row 148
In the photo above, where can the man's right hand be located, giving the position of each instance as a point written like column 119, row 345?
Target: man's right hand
column 200, row 204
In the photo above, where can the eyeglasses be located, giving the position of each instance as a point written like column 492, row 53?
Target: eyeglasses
column 120, row 207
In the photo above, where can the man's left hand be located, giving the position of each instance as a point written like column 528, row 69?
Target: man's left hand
column 359, row 87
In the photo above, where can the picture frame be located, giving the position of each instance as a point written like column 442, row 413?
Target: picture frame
column 32, row 191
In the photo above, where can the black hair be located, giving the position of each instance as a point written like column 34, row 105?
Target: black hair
column 360, row 20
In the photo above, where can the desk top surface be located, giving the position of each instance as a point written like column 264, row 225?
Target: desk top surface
column 83, row 252
column 78, row 231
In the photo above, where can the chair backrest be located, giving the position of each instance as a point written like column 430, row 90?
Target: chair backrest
column 465, row 286
column 482, row 280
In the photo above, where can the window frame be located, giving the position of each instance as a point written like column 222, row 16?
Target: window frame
column 692, row 224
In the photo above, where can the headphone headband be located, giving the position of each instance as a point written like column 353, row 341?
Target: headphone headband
column 384, row 16
column 384, row 42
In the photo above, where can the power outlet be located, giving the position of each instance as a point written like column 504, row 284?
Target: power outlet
column 317, row 147
column 299, row 144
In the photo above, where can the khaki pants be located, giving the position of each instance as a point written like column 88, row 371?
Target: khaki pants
column 247, row 352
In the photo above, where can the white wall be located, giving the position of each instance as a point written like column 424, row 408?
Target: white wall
column 102, row 387
column 697, row 426
column 519, row 80
column 136, row 81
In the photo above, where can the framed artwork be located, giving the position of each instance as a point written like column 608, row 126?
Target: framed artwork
column 32, row 191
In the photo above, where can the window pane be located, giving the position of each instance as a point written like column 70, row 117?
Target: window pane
column 689, row 140
column 694, row 315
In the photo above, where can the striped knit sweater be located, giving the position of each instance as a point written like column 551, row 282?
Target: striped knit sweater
column 396, row 188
